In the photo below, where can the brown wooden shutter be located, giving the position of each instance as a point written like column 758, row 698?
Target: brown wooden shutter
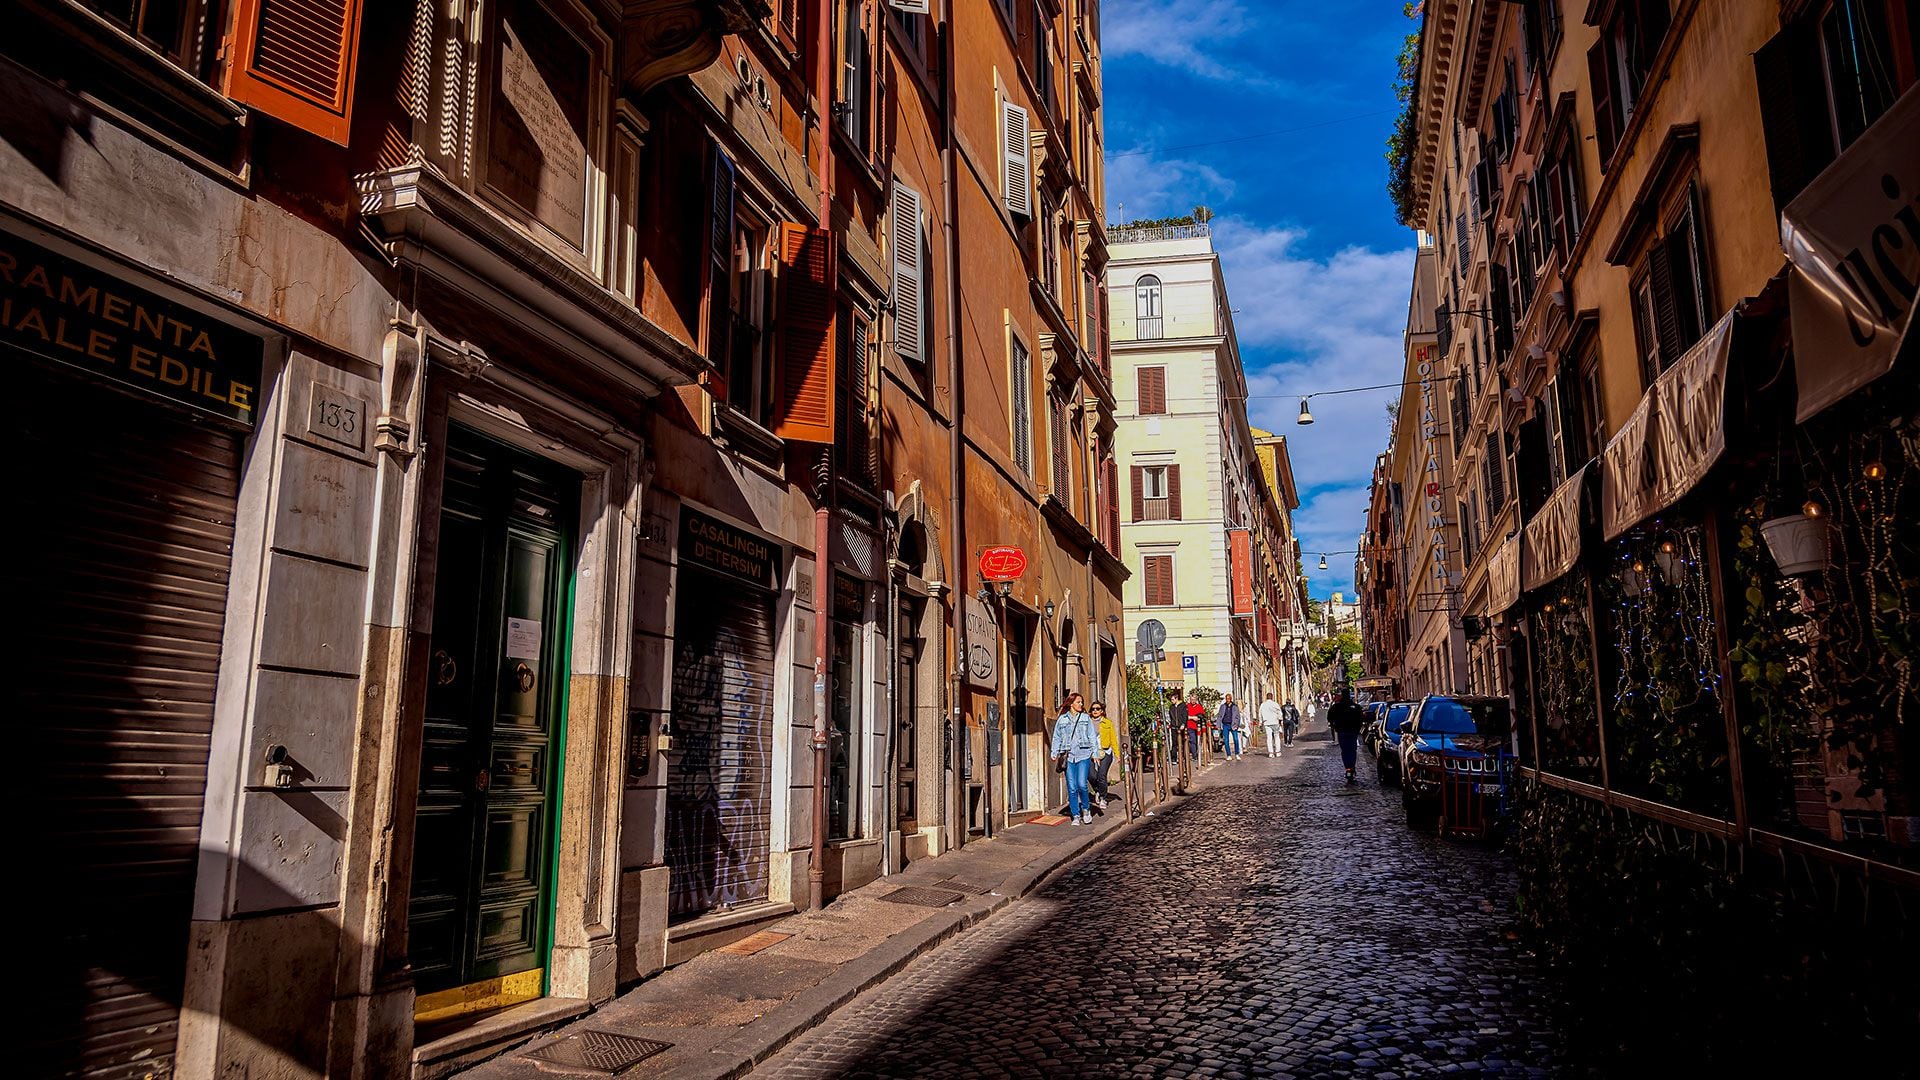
column 1153, row 391
column 1666, row 309
column 1113, row 505
column 293, row 60
column 1173, row 493
column 719, row 265
column 804, row 409
column 1159, row 583
column 1793, row 109
column 1605, row 131
column 1138, row 475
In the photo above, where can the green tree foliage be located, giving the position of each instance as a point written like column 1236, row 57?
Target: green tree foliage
column 1143, row 709
column 1406, row 87
column 1345, row 644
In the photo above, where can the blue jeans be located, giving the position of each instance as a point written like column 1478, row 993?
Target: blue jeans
column 1349, row 747
column 1078, row 801
column 1230, row 741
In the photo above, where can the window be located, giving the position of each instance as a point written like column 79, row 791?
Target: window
column 1049, row 245
column 1672, row 305
column 1158, row 574
column 853, row 423
column 913, row 26
column 1153, row 390
column 1062, row 450
column 184, row 31
column 1089, row 21
column 1825, row 79
column 1494, row 476
column 1020, row 374
column 1156, row 493
column 739, row 296
column 1016, row 173
column 1147, row 323
column 1569, row 423
column 1565, row 200
column 908, row 242
column 855, row 85
column 1043, row 64
column 1618, row 65
column 1506, row 115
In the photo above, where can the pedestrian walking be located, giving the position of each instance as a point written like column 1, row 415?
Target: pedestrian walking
column 1196, row 720
column 1292, row 722
column 1103, row 764
column 1232, row 739
column 1346, row 719
column 1272, row 719
column 1076, row 739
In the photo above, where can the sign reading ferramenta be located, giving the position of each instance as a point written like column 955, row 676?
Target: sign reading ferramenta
column 712, row 544
column 70, row 312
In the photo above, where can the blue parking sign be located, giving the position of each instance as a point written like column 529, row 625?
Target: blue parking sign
column 1189, row 663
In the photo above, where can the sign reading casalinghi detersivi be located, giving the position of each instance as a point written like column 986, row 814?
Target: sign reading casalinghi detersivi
column 67, row 311
column 715, row 545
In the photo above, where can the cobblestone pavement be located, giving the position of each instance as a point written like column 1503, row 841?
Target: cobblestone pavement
column 1273, row 924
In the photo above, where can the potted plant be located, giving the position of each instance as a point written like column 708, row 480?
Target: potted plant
column 1800, row 543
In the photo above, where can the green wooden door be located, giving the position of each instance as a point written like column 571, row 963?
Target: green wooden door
column 497, row 668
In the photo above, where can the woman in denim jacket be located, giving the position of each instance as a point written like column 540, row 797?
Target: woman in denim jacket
column 1077, row 739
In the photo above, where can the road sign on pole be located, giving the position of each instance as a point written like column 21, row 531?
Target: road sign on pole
column 1189, row 662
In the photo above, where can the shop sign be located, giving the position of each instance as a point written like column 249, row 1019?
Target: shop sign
column 72, row 313
column 849, row 598
column 712, row 544
column 1240, row 555
column 983, row 645
column 1503, row 577
column 1854, row 241
column 1430, row 484
column 1002, row 563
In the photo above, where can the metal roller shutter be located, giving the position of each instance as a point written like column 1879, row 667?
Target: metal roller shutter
column 720, row 773
column 120, row 582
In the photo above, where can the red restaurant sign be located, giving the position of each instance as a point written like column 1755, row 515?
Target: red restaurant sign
column 1240, row 549
column 1002, row 563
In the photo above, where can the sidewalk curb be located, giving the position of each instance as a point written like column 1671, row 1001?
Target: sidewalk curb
column 783, row 1025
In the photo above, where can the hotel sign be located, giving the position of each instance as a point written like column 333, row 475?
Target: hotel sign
column 72, row 313
column 712, row 544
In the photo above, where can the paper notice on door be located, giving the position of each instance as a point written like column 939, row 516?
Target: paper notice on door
column 523, row 639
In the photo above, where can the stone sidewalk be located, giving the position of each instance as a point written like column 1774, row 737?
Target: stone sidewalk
column 723, row 1012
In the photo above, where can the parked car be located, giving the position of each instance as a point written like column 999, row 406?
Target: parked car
column 1453, row 726
column 1397, row 714
column 1369, row 731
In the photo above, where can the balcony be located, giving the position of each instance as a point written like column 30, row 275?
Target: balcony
column 1143, row 234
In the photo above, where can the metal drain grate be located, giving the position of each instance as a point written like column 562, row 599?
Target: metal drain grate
column 972, row 890
column 600, row 1053
column 922, row 896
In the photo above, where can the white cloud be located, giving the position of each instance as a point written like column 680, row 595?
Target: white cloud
column 1140, row 185
column 1183, row 34
column 1333, row 322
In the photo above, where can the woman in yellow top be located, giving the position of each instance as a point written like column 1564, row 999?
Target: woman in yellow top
column 1103, row 761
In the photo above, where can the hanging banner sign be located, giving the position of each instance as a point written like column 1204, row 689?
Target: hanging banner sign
column 69, row 312
column 1503, row 576
column 1552, row 542
column 1240, row 555
column 1854, row 242
column 983, row 645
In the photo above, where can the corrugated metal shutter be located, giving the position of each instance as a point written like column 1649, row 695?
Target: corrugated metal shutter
column 119, row 593
column 720, row 775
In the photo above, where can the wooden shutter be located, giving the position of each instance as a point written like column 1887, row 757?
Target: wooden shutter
column 1606, row 129
column 1173, row 493
column 1443, row 326
column 1015, row 179
column 293, row 60
column 909, row 289
column 1112, row 508
column 1793, row 109
column 1666, row 310
column 719, row 256
column 1159, row 583
column 1020, row 376
column 1138, row 475
column 804, row 409
column 1153, row 391
column 1498, row 285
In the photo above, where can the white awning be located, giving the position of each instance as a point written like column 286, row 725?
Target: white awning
column 1855, row 262
column 1503, row 576
column 1675, row 435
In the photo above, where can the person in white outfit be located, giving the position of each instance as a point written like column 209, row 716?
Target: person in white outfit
column 1271, row 717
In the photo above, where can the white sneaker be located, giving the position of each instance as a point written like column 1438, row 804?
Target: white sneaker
column 1086, row 817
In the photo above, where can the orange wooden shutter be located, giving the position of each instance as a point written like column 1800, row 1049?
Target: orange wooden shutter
column 804, row 410
column 1139, row 498
column 293, row 61
column 1173, row 492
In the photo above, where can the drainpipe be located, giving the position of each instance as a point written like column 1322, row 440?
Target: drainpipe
column 956, row 462
column 823, row 476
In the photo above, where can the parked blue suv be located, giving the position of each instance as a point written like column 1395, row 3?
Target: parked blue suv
column 1472, row 728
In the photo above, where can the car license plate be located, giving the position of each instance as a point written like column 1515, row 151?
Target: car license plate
column 1487, row 789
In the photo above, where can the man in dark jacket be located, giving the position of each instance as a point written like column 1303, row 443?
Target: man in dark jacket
column 1346, row 718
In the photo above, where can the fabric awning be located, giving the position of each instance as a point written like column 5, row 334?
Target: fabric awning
column 1855, row 260
column 1552, row 539
column 1503, row 576
column 1673, row 437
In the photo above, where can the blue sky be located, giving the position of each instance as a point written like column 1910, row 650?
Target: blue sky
column 1317, row 269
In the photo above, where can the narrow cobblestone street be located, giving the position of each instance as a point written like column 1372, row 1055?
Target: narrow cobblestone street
column 1272, row 924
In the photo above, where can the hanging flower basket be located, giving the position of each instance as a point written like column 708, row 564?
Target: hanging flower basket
column 1799, row 544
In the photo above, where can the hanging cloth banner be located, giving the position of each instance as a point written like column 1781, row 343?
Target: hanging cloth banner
column 1503, row 576
column 1240, row 579
column 1853, row 237
column 1675, row 435
column 1552, row 543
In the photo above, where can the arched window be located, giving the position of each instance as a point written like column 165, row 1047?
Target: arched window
column 1147, row 324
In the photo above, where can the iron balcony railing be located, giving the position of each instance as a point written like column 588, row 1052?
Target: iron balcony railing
column 1140, row 234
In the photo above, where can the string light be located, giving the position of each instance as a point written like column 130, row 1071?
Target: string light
column 1813, row 509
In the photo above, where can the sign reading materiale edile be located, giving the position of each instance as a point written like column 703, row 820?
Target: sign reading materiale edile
column 712, row 544
column 67, row 311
